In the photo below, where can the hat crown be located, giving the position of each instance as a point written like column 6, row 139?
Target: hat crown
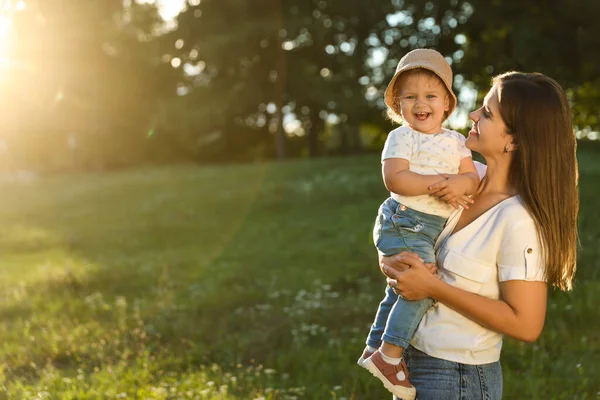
column 428, row 59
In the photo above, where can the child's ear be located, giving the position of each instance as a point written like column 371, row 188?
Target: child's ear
column 447, row 103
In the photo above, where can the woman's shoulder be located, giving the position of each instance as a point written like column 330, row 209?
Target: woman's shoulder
column 514, row 206
column 514, row 214
column 505, row 216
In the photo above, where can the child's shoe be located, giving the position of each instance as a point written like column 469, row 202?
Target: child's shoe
column 394, row 377
column 366, row 354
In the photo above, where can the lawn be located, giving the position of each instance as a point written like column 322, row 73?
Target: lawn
column 239, row 282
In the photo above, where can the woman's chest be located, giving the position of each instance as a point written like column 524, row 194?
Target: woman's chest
column 471, row 271
column 468, row 258
column 476, row 212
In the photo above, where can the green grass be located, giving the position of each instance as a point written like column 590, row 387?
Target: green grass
column 241, row 282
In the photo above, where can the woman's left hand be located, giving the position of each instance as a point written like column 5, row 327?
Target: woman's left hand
column 415, row 283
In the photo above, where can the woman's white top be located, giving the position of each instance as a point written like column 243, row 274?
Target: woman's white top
column 501, row 245
column 428, row 154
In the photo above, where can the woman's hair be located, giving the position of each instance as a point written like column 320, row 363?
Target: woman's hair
column 393, row 113
column 544, row 168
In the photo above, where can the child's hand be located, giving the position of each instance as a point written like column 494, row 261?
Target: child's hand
column 453, row 190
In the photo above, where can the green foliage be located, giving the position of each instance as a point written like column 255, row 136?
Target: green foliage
column 104, row 84
column 555, row 38
column 241, row 282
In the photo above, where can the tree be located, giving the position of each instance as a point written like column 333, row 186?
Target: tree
column 235, row 49
column 555, row 38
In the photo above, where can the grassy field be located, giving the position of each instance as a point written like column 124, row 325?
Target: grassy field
column 240, row 282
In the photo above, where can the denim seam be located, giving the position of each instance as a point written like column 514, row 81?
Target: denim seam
column 484, row 390
column 414, row 327
column 463, row 382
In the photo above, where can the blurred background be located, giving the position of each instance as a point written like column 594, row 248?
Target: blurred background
column 188, row 190
column 104, row 84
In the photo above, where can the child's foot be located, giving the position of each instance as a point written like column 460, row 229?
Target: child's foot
column 394, row 377
column 366, row 354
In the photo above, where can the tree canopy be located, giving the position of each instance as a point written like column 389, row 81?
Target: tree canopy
column 101, row 84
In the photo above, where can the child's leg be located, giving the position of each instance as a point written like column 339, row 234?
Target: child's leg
column 387, row 363
column 375, row 337
column 415, row 232
column 419, row 233
column 405, row 315
column 404, row 318
column 385, row 237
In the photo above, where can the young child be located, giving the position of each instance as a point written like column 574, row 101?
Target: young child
column 416, row 155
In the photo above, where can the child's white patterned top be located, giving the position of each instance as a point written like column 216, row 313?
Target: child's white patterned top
column 428, row 154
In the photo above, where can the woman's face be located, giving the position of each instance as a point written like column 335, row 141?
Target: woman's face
column 488, row 135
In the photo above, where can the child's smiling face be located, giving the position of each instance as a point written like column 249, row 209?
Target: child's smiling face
column 424, row 101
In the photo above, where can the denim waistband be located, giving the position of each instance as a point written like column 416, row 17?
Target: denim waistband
column 425, row 218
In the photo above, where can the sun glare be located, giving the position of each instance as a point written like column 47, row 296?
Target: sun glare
column 168, row 9
column 4, row 57
column 7, row 8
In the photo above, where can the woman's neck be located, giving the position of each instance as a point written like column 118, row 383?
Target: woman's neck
column 496, row 179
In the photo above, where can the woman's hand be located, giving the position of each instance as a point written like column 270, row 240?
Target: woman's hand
column 415, row 281
column 403, row 261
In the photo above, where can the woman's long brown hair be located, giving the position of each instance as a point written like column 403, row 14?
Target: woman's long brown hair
column 544, row 168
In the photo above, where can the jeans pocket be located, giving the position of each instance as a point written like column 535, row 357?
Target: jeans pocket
column 385, row 234
column 403, row 221
column 378, row 228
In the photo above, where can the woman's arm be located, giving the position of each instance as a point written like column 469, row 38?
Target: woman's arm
column 520, row 313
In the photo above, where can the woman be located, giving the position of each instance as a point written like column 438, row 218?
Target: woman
column 497, row 256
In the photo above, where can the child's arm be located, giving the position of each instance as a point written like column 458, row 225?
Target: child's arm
column 398, row 179
column 455, row 189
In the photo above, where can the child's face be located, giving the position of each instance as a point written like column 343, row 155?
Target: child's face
column 423, row 102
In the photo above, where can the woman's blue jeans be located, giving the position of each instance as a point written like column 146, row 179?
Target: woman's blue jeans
column 437, row 379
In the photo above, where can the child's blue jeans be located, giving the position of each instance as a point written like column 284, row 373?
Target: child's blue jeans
column 399, row 228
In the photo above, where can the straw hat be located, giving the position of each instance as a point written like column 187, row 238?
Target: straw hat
column 427, row 59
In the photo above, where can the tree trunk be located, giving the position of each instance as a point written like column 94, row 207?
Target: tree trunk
column 355, row 139
column 279, row 86
column 316, row 127
column 342, row 131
